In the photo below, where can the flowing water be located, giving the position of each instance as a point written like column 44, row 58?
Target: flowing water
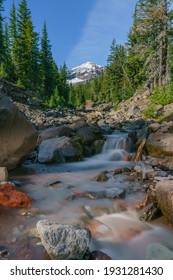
column 59, row 193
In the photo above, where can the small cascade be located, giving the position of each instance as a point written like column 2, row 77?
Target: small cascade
column 116, row 147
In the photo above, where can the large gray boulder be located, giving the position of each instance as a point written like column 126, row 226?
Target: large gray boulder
column 64, row 242
column 54, row 132
column 18, row 137
column 89, row 134
column 160, row 143
column 59, row 149
column 164, row 198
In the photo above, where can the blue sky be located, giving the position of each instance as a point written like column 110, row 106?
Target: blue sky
column 81, row 30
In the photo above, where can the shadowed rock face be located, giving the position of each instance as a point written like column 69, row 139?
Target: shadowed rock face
column 18, row 137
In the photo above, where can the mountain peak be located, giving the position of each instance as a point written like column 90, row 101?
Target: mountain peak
column 84, row 72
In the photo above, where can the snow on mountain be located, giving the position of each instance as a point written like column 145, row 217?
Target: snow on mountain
column 84, row 72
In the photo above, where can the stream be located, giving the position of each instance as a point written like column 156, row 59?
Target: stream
column 67, row 193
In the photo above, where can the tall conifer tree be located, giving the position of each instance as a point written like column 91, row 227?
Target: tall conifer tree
column 27, row 47
column 13, row 36
column 151, row 34
column 46, row 65
column 2, row 50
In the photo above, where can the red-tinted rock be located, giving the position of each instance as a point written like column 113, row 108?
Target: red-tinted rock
column 11, row 197
column 118, row 171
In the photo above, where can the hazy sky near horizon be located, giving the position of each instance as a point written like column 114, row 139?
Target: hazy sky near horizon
column 81, row 30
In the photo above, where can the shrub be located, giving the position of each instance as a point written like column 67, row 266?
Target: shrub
column 162, row 95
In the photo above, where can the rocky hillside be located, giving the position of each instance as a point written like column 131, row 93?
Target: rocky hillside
column 84, row 72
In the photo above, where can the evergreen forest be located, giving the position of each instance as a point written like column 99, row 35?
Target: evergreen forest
column 144, row 62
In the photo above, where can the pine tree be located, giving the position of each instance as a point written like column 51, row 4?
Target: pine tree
column 46, row 65
column 8, row 65
column 64, row 88
column 27, row 54
column 72, row 96
column 13, row 35
column 118, row 80
column 2, row 49
column 151, row 30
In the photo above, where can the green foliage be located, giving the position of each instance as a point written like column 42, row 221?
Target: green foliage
column 46, row 65
column 151, row 111
column 2, row 50
column 26, row 47
column 116, row 107
column 162, row 95
column 3, row 72
column 55, row 100
column 145, row 60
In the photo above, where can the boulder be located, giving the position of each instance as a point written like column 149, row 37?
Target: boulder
column 11, row 197
column 133, row 110
column 60, row 149
column 64, row 242
column 76, row 125
column 154, row 126
column 164, row 198
column 89, row 134
column 160, row 143
column 54, row 132
column 18, row 137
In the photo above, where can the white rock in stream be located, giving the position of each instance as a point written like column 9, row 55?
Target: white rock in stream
column 64, row 242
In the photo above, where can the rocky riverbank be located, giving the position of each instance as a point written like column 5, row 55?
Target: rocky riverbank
column 58, row 136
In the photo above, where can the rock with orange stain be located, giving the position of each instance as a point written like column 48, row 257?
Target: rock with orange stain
column 11, row 197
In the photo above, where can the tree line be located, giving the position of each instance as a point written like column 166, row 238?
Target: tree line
column 145, row 61
column 26, row 59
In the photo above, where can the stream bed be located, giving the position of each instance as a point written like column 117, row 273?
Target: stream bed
column 68, row 193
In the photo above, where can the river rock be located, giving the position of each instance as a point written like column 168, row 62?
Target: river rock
column 76, row 125
column 158, row 251
column 64, row 242
column 54, row 132
column 18, row 137
column 164, row 198
column 11, row 197
column 160, row 143
column 89, row 134
column 101, row 177
column 154, row 127
column 59, row 149
column 150, row 212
